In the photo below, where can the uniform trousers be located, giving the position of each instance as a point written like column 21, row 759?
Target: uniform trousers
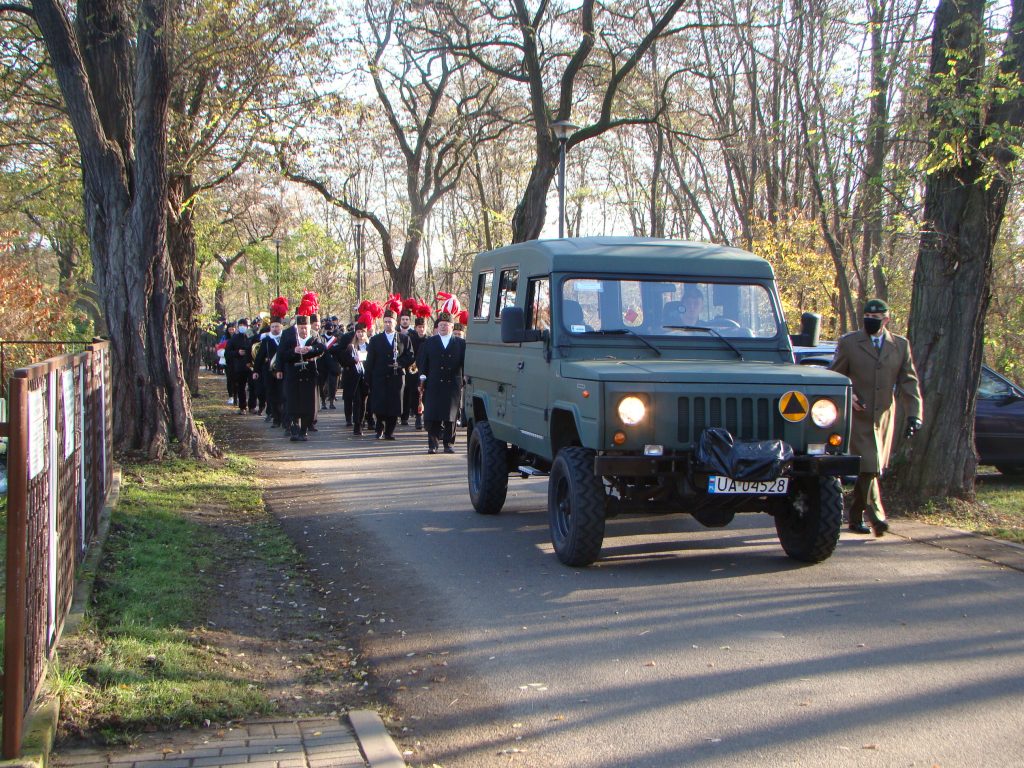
column 243, row 386
column 867, row 500
column 440, row 431
column 410, row 397
column 355, row 404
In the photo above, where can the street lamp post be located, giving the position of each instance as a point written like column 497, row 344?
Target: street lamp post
column 562, row 130
column 359, row 260
column 277, row 248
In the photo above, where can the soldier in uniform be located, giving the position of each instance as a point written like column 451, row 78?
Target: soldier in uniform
column 881, row 366
column 388, row 354
column 298, row 356
column 411, row 398
column 238, row 357
column 343, row 342
column 330, row 370
column 264, row 366
column 353, row 377
column 440, row 363
column 271, row 380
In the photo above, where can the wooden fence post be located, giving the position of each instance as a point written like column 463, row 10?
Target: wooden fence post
column 17, row 535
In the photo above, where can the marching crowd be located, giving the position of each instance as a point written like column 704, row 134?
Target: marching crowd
column 401, row 374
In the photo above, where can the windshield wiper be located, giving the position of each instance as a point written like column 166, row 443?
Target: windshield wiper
column 625, row 331
column 728, row 343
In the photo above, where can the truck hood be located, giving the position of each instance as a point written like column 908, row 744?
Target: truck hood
column 702, row 372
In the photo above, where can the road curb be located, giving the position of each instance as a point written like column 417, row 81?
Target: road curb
column 997, row 551
column 378, row 747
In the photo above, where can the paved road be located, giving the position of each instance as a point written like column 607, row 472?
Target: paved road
column 682, row 646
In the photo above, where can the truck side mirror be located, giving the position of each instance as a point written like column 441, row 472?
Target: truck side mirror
column 810, row 331
column 513, row 327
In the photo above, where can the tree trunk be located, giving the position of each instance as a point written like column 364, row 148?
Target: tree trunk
column 181, row 247
column 965, row 199
column 528, row 219
column 219, row 302
column 120, row 122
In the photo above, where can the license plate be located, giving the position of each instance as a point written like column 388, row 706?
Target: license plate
column 720, row 484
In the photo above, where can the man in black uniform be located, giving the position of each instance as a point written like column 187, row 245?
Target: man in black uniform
column 272, row 380
column 298, row 357
column 238, row 357
column 330, row 368
column 418, row 335
column 440, row 363
column 388, row 354
column 410, row 395
column 353, row 376
column 344, row 339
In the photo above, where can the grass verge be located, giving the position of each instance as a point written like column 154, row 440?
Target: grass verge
column 140, row 661
column 997, row 511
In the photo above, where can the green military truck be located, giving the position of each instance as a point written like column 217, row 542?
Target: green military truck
column 649, row 376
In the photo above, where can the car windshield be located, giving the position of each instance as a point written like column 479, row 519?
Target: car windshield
column 668, row 308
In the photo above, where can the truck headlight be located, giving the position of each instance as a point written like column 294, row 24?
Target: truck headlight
column 631, row 410
column 824, row 413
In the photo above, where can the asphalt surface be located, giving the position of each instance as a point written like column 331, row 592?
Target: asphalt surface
column 683, row 646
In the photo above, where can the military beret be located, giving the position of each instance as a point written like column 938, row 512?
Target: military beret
column 876, row 305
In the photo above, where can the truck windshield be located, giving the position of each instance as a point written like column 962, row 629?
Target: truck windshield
column 665, row 307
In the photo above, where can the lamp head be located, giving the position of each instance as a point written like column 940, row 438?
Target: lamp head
column 563, row 129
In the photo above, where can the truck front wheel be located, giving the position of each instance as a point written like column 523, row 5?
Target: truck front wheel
column 808, row 526
column 576, row 507
column 488, row 470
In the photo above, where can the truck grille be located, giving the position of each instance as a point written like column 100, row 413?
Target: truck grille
column 746, row 418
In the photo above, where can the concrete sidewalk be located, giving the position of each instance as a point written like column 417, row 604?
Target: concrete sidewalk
column 355, row 740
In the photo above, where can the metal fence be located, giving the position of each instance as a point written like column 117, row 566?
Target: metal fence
column 60, row 470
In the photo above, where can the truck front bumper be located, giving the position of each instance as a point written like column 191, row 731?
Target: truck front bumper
column 647, row 466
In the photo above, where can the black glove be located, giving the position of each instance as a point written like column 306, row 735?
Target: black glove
column 912, row 426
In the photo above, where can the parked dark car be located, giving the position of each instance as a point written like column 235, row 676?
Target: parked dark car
column 998, row 420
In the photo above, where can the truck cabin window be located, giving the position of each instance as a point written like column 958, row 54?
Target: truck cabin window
column 670, row 308
column 538, row 303
column 483, row 295
column 508, row 285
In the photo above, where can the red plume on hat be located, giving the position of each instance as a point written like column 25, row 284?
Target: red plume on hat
column 310, row 304
column 448, row 304
column 394, row 303
column 279, row 307
column 464, row 316
column 371, row 308
column 410, row 304
column 422, row 309
column 366, row 319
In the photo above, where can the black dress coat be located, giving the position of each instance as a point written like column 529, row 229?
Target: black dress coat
column 385, row 372
column 264, row 355
column 238, row 354
column 300, row 373
column 442, row 392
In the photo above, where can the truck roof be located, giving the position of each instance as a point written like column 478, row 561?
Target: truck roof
column 629, row 255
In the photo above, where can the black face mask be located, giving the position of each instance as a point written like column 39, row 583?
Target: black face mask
column 872, row 325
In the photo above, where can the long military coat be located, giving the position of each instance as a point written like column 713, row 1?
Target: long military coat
column 385, row 372
column 878, row 379
column 443, row 368
column 300, row 373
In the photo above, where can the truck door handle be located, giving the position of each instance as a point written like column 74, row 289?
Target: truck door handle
column 520, row 365
column 501, row 387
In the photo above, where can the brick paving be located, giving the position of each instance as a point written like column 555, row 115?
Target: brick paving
column 313, row 743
